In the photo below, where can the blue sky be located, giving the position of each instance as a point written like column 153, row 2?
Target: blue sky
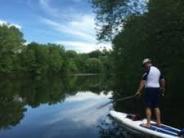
column 67, row 22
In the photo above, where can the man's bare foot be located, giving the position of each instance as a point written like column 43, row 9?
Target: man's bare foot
column 146, row 125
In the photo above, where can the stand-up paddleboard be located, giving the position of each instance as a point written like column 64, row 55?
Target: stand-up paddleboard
column 163, row 131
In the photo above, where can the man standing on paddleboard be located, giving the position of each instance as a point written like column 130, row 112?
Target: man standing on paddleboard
column 153, row 84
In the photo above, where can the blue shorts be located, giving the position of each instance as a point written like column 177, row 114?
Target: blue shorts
column 152, row 97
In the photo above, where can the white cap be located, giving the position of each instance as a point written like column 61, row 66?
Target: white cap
column 146, row 60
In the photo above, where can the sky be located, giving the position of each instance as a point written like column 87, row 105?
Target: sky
column 70, row 23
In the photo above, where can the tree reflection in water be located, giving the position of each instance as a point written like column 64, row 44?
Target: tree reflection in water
column 16, row 93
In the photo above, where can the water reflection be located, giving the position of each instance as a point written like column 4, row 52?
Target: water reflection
column 52, row 107
column 69, row 107
column 77, row 116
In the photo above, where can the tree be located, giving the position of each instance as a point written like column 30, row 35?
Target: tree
column 94, row 65
column 111, row 15
column 35, row 58
column 55, row 58
column 11, row 43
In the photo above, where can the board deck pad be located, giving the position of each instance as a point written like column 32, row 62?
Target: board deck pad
column 162, row 129
column 167, row 128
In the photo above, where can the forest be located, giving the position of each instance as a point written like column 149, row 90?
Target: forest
column 139, row 29
column 17, row 57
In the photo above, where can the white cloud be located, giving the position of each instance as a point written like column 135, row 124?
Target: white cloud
column 79, row 46
column 79, row 27
column 3, row 22
column 45, row 5
column 85, row 24
column 74, row 23
column 82, row 28
column 84, row 47
column 48, row 8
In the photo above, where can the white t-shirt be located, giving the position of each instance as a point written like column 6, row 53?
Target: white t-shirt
column 152, row 77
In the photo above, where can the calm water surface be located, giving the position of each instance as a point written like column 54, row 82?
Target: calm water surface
column 77, row 116
column 67, row 108
column 53, row 108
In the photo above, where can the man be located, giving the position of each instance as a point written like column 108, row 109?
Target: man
column 153, row 83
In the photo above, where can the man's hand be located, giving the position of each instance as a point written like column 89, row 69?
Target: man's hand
column 141, row 86
column 138, row 93
column 162, row 89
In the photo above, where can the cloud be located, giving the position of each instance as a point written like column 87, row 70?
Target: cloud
column 45, row 4
column 3, row 22
column 78, row 27
column 61, row 11
column 66, row 14
column 84, row 47
column 79, row 46
column 82, row 28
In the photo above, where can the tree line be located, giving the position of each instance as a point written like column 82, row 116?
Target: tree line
column 153, row 29
column 18, row 57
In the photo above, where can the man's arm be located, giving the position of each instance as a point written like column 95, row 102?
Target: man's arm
column 142, row 83
column 162, row 85
column 141, row 86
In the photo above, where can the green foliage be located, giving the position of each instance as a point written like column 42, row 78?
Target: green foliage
column 11, row 42
column 95, row 54
column 34, row 58
column 110, row 15
column 71, row 54
column 158, row 34
column 41, row 59
column 94, row 65
column 56, row 58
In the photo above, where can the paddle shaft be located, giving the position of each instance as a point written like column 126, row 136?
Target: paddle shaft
column 125, row 98
column 120, row 99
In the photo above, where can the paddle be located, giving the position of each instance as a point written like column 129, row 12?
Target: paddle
column 120, row 99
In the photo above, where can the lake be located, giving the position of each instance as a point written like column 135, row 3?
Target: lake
column 68, row 108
